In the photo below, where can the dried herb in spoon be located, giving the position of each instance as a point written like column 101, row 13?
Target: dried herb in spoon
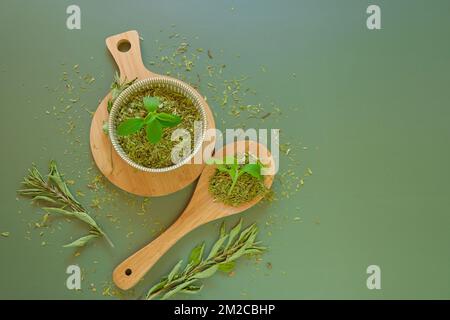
column 234, row 183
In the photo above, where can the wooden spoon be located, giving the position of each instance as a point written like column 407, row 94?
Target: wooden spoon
column 201, row 209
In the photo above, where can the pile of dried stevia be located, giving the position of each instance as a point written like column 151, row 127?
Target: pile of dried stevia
column 235, row 103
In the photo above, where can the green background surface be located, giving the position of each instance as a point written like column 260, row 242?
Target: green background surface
column 367, row 111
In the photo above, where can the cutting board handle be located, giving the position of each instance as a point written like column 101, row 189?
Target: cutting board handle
column 126, row 51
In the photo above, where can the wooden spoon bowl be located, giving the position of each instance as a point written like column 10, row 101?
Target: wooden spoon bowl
column 201, row 209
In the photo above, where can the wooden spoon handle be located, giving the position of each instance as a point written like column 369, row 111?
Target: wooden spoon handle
column 130, row 271
column 126, row 51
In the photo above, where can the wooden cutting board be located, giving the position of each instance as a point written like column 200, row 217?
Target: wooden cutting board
column 116, row 170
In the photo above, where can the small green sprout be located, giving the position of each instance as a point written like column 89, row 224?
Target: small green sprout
column 230, row 165
column 154, row 122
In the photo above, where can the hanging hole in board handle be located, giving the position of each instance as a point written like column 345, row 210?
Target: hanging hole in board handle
column 128, row 272
column 123, row 45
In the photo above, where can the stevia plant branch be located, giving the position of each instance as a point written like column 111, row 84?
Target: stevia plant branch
column 117, row 87
column 229, row 247
column 54, row 193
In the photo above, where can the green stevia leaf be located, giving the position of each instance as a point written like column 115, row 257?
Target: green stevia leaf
column 207, row 272
column 216, row 247
column 81, row 242
column 130, row 126
column 196, row 254
column 44, row 198
column 188, row 267
column 233, row 173
column 227, row 266
column 178, row 289
column 57, row 179
column 168, row 120
column 157, row 287
column 151, row 103
column 237, row 254
column 109, row 106
column 253, row 169
column 154, row 131
column 73, row 214
column 247, row 232
column 234, row 232
column 192, row 289
column 222, row 231
column 251, row 251
column 149, row 118
column 174, row 271
column 222, row 168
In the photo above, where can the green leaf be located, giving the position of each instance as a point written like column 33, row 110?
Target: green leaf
column 130, row 126
column 154, row 131
column 81, row 242
column 151, row 103
column 222, row 168
column 234, row 232
column 157, row 287
column 216, row 247
column 74, row 214
column 149, row 118
column 227, row 266
column 57, row 179
column 192, row 289
column 168, row 120
column 237, row 254
column 109, row 106
column 44, row 198
column 253, row 229
column 252, row 251
column 253, row 169
column 174, row 271
column 207, row 272
column 222, row 230
column 196, row 254
column 178, row 289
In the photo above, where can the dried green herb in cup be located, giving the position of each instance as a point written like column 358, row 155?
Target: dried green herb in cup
column 146, row 122
column 236, row 183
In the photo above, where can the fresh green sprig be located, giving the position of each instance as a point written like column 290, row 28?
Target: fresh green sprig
column 154, row 122
column 229, row 247
column 117, row 87
column 230, row 165
column 54, row 193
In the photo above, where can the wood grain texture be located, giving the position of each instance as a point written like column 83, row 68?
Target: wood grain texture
column 201, row 209
column 116, row 170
